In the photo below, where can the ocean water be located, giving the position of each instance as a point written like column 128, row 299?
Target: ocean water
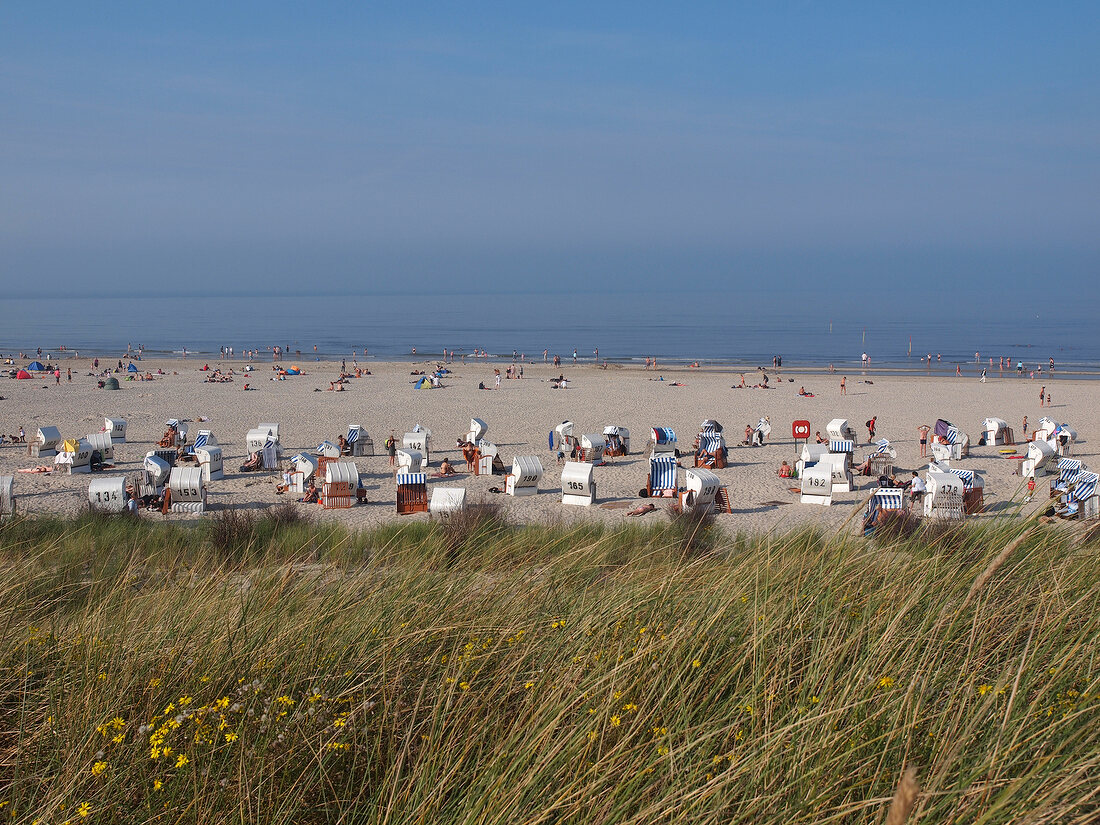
column 624, row 328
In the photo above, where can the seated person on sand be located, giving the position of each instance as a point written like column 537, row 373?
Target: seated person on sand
column 446, row 468
column 311, row 495
column 642, row 509
column 785, row 470
column 342, row 443
column 255, row 462
column 820, row 438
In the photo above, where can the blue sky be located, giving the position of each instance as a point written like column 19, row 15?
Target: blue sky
column 292, row 148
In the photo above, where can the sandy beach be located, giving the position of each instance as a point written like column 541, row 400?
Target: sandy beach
column 519, row 416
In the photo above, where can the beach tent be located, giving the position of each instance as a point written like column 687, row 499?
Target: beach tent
column 36, row 366
column 446, row 501
column 108, row 495
column 424, row 382
column 131, row 368
column 188, row 490
column 22, row 375
column 525, row 476
column 111, row 383
column 293, row 371
column 578, row 485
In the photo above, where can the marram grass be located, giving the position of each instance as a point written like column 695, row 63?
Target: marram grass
column 287, row 672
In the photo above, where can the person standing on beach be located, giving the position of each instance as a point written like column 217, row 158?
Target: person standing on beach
column 982, row 379
column 496, row 377
column 1025, row 428
column 574, row 356
column 844, row 385
column 923, row 431
column 1042, row 395
column 391, row 448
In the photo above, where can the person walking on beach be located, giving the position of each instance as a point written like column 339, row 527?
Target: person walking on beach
column 923, row 431
column 1042, row 395
column 574, row 356
column 871, row 428
column 982, row 379
column 844, row 385
column 496, row 377
column 544, row 353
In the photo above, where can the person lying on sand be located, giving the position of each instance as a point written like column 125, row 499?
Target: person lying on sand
column 642, row 509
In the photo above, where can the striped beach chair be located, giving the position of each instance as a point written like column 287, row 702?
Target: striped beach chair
column 359, row 442
column 712, row 450
column 662, row 477
column 412, row 493
column 1069, row 470
column 884, row 502
column 270, row 454
column 664, row 440
column 973, row 490
column 841, row 445
column 1082, row 501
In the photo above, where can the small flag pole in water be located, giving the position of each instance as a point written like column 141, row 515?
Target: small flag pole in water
column 865, row 335
column 910, row 346
column 830, row 327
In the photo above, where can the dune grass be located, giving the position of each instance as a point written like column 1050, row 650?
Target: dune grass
column 284, row 671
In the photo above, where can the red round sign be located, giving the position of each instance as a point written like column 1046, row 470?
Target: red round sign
column 800, row 429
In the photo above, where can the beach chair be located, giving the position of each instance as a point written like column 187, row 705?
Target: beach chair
column 944, row 497
column 1039, row 453
column 7, row 496
column 1068, row 471
column 328, row 450
column 973, row 490
column 209, row 458
column 157, row 471
column 1063, row 439
column 816, row 485
column 565, row 440
column 304, row 467
column 661, row 481
column 941, row 453
column 271, row 454
column 187, row 490
column 711, row 451
column 840, row 469
column 478, row 429
column 271, row 428
column 700, row 490
column 722, row 502
column 996, row 433
column 488, row 460
column 883, row 504
column 257, row 438
column 412, row 493
column 959, row 442
column 408, row 461
column 75, row 456
column 809, row 456
column 591, row 448
column 446, row 501
column 761, row 432
column 881, row 462
column 1045, row 429
column 1082, row 501
column 117, row 428
column 578, row 484
column 341, row 486
column 525, row 476
column 108, row 495
column 617, row 441
column 839, row 430
column 663, row 440
column 102, row 445
column 45, row 442
column 419, row 441
column 359, row 441
column 176, row 433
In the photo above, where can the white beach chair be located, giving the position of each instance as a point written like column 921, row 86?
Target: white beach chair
column 810, row 455
column 565, row 439
column 591, row 448
column 816, row 484
column 103, row 444
column 996, row 433
column 359, row 441
column 944, row 497
column 210, row 462
column 478, row 429
column 408, row 461
column 839, row 430
column 45, row 442
column 187, row 489
column 525, row 476
column 117, row 428
column 1039, row 453
column 327, row 449
column 75, row 456
column 108, row 495
column 419, row 441
column 7, row 496
column 700, row 489
column 578, row 484
column 840, row 469
column 446, row 501
column 158, row 470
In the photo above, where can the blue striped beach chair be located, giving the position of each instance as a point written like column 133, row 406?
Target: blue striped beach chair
column 1069, row 470
column 1081, row 500
column 712, row 450
column 412, row 493
column 664, row 440
column 883, row 501
column 662, row 477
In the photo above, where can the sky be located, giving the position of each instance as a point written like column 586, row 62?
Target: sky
column 882, row 150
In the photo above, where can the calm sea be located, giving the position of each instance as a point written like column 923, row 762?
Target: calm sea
column 622, row 327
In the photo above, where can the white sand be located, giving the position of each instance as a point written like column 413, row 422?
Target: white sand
column 519, row 416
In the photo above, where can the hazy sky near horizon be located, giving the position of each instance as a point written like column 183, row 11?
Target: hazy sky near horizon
column 287, row 148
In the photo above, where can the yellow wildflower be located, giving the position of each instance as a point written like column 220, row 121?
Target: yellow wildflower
column 84, row 809
column 616, row 721
column 231, row 737
column 98, row 768
column 182, row 760
column 984, row 689
column 886, row 682
column 157, row 784
column 528, row 685
column 464, row 685
column 696, row 663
